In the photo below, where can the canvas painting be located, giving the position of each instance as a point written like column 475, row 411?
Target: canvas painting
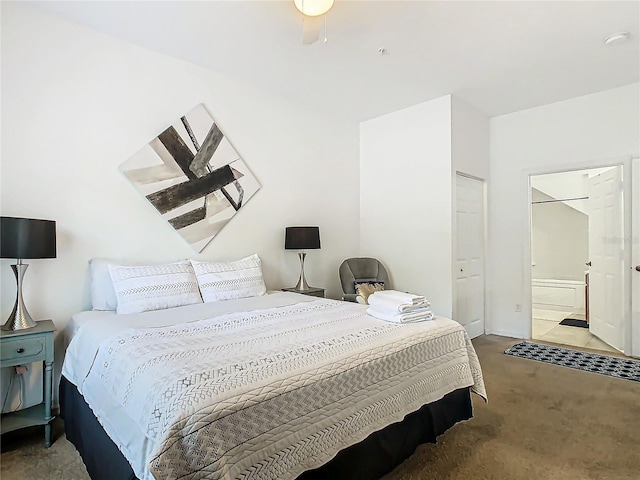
column 193, row 176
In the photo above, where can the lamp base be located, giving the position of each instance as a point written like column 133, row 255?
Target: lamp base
column 302, row 282
column 19, row 318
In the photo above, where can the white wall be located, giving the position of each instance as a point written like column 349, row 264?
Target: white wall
column 408, row 161
column 405, row 198
column 584, row 132
column 469, row 140
column 76, row 104
column 470, row 156
column 564, row 186
column 559, row 240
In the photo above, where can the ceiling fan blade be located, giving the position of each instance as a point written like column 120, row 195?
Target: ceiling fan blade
column 311, row 27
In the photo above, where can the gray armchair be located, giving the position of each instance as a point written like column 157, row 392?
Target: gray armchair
column 363, row 270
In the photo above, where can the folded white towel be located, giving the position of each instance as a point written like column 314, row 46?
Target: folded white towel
column 401, row 297
column 417, row 316
column 391, row 305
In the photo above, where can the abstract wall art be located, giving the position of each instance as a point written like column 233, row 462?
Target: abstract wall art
column 193, row 177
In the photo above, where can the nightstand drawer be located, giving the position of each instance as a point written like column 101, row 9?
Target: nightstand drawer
column 22, row 348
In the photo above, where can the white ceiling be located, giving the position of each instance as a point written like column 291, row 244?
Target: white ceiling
column 499, row 56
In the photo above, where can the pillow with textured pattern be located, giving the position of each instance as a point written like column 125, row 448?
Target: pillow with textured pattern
column 142, row 288
column 230, row 280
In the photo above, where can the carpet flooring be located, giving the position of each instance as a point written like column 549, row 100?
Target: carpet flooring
column 589, row 362
column 542, row 422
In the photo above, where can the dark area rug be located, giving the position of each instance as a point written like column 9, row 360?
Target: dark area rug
column 589, row 362
column 574, row 322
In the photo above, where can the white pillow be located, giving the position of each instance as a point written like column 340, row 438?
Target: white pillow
column 154, row 287
column 229, row 280
column 103, row 296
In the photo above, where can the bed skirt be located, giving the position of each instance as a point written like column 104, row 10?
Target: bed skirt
column 375, row 456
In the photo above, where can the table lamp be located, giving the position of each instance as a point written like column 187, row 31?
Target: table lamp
column 302, row 238
column 23, row 238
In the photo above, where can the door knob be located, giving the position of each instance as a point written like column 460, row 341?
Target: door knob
column 637, row 268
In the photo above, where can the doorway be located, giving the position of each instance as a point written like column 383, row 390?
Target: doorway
column 577, row 264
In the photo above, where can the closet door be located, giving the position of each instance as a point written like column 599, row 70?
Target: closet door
column 469, row 255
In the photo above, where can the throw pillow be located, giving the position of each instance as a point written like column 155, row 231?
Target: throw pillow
column 363, row 290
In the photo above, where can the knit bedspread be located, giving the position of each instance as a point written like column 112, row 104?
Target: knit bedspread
column 268, row 394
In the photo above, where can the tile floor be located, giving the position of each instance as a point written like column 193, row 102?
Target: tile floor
column 547, row 328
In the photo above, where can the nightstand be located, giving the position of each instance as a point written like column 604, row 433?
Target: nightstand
column 313, row 291
column 21, row 347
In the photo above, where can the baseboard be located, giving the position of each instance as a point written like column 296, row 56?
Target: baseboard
column 504, row 333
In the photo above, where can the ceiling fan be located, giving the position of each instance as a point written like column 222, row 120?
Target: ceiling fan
column 313, row 18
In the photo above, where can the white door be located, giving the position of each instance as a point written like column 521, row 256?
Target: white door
column 469, row 255
column 606, row 242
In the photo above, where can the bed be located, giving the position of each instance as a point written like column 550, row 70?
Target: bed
column 277, row 386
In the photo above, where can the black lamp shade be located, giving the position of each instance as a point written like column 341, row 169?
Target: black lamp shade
column 301, row 238
column 22, row 238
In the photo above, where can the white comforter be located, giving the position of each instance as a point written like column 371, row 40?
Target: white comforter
column 264, row 392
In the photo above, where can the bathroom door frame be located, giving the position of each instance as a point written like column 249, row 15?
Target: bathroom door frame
column 631, row 325
column 635, row 258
